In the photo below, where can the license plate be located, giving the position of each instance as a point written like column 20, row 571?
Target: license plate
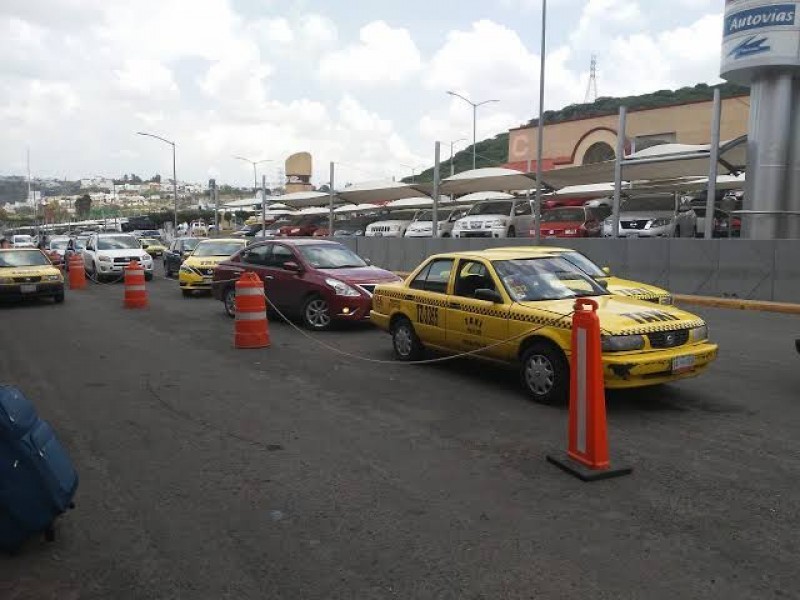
column 378, row 234
column 27, row 289
column 682, row 364
column 633, row 235
column 207, row 279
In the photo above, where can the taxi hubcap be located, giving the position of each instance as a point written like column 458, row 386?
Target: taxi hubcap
column 402, row 341
column 317, row 313
column 230, row 302
column 540, row 374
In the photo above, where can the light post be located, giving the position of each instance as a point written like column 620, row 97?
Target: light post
column 255, row 173
column 174, row 176
column 255, row 163
column 413, row 172
column 452, row 164
column 474, row 106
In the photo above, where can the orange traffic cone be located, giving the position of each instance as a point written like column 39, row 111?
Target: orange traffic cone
column 587, row 452
column 77, row 276
column 252, row 328
column 135, row 290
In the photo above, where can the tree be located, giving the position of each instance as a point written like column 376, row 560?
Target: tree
column 83, row 206
column 3, row 214
column 155, row 178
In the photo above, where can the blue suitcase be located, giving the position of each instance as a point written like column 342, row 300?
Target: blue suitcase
column 37, row 479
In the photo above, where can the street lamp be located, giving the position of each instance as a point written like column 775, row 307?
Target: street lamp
column 452, row 164
column 474, row 106
column 255, row 174
column 413, row 172
column 174, row 176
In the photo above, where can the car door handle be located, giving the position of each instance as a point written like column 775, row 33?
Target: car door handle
column 268, row 277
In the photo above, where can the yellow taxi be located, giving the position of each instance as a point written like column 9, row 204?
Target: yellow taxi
column 197, row 271
column 615, row 285
column 153, row 246
column 28, row 273
column 516, row 307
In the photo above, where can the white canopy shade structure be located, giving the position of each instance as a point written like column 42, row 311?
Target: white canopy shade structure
column 351, row 208
column 276, row 206
column 312, row 210
column 658, row 163
column 416, row 202
column 243, row 204
column 478, row 196
column 304, row 199
column 487, row 180
column 377, row 191
column 593, row 190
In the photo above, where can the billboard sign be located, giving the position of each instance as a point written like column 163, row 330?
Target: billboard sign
column 758, row 34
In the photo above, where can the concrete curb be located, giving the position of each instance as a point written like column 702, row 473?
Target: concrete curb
column 740, row 304
column 785, row 308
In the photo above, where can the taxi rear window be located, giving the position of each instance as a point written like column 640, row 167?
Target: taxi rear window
column 434, row 277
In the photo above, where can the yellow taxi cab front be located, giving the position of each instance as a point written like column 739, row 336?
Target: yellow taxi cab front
column 615, row 285
column 153, row 247
column 517, row 308
column 28, row 273
column 197, row 271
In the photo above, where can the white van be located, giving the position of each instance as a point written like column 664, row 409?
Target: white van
column 393, row 224
column 422, row 226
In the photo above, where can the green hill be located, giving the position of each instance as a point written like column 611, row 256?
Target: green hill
column 494, row 151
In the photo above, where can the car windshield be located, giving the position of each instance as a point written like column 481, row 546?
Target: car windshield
column 563, row 214
column 584, row 264
column 117, row 242
column 190, row 243
column 495, row 207
column 58, row 244
column 80, row 244
column 23, row 258
column 23, row 239
column 217, row 248
column 329, row 256
column 545, row 278
column 150, row 242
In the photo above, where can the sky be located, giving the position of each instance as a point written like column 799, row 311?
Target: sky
column 361, row 83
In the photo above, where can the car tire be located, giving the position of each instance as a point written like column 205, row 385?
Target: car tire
column 405, row 342
column 229, row 301
column 512, row 232
column 59, row 297
column 316, row 314
column 544, row 372
column 148, row 276
column 677, row 233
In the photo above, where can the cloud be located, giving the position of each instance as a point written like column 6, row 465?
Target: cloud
column 146, row 77
column 383, row 55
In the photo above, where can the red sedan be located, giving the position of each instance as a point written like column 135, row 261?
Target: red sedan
column 317, row 280
column 573, row 221
column 303, row 226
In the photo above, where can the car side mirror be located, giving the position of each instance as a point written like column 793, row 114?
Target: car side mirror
column 291, row 265
column 488, row 295
column 607, row 270
column 368, row 261
column 603, row 283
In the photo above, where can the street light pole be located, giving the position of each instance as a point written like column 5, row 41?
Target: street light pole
column 174, row 176
column 452, row 164
column 475, row 106
column 413, row 172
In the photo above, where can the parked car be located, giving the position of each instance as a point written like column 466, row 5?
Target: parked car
column 57, row 249
column 663, row 215
column 496, row 219
column 28, row 273
column 197, row 270
column 393, row 224
column 303, row 226
column 722, row 222
column 22, row 241
column 573, row 221
column 319, row 281
column 177, row 252
column 107, row 254
column 74, row 246
column 153, row 246
column 422, row 226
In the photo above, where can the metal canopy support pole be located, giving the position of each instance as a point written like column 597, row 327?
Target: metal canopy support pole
column 436, row 179
column 212, row 193
column 263, row 205
column 713, row 168
column 330, row 208
column 474, row 135
column 174, row 191
column 621, row 128
column 537, row 205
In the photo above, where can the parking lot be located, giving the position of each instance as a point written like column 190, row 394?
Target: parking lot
column 295, row 472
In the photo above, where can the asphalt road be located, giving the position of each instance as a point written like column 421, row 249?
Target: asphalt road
column 293, row 472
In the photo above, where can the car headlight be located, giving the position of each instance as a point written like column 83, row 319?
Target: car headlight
column 622, row 343
column 341, row 288
column 668, row 300
column 496, row 223
column 103, row 258
column 51, row 278
column 658, row 223
column 147, row 258
column 700, row 333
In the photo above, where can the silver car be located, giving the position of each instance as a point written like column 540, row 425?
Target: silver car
column 654, row 216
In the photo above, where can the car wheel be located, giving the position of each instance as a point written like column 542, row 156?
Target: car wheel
column 545, row 373
column 677, row 231
column 512, row 232
column 405, row 341
column 148, row 276
column 316, row 314
column 445, row 235
column 229, row 300
column 59, row 298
